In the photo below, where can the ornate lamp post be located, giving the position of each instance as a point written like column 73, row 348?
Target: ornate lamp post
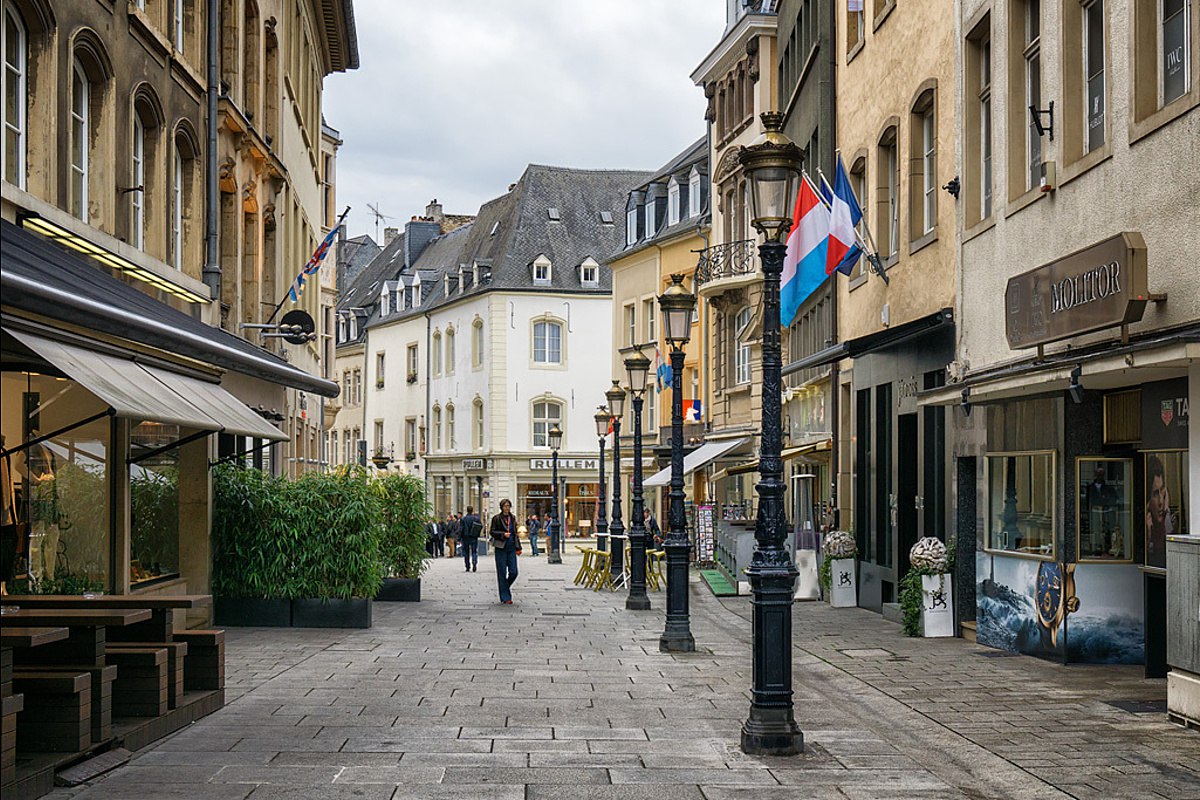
column 772, row 167
column 638, row 368
column 677, row 305
column 602, row 423
column 555, row 554
column 616, row 530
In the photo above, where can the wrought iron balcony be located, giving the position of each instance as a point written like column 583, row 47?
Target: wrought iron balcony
column 726, row 266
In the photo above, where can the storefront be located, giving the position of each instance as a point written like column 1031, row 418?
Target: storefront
column 577, row 497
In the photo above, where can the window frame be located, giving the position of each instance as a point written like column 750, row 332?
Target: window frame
column 631, row 218
column 694, row 192
column 80, row 134
column 137, row 184
column 20, row 126
column 673, row 198
column 546, row 323
column 1053, row 511
column 477, row 343
column 545, row 420
column 742, row 368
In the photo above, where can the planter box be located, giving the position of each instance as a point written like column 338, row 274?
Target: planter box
column 843, row 583
column 403, row 590
column 315, row 613
column 937, row 606
column 229, row 612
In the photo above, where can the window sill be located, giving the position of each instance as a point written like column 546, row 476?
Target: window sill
column 889, row 261
column 1085, row 163
column 1140, row 129
column 883, row 14
column 921, row 243
column 859, row 279
column 855, row 50
column 1019, row 202
column 981, row 227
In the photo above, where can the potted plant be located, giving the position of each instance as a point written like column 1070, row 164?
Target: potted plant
column 926, row 592
column 405, row 510
column 412, row 377
column 838, row 573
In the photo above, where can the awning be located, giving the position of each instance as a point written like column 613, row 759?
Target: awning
column 142, row 392
column 696, row 459
column 752, row 466
column 881, row 340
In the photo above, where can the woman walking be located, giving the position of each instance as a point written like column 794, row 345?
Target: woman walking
column 508, row 547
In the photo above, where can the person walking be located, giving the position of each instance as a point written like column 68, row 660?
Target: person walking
column 469, row 528
column 652, row 529
column 434, row 541
column 508, row 546
column 534, row 526
column 449, row 534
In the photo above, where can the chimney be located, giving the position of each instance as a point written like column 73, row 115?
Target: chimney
column 389, row 235
column 433, row 211
column 418, row 233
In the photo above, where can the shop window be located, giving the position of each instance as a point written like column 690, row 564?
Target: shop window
column 154, row 504
column 1166, row 493
column 1104, row 509
column 57, row 491
column 545, row 414
column 1021, row 504
column 16, row 97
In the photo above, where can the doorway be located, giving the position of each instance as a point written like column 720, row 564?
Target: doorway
column 907, row 470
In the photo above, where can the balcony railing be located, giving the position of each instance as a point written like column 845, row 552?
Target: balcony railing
column 731, row 260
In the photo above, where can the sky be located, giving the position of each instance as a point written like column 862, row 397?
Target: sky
column 453, row 100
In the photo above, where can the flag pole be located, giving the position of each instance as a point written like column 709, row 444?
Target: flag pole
column 866, row 238
column 283, row 300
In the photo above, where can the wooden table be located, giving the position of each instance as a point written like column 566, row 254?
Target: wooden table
column 161, row 606
column 12, row 636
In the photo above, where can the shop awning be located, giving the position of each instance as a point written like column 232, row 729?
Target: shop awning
column 696, row 459
column 872, row 342
column 143, row 392
column 752, row 466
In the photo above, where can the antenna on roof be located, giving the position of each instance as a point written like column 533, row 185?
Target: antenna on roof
column 379, row 215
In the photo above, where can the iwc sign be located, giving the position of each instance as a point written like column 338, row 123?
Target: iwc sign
column 1099, row 287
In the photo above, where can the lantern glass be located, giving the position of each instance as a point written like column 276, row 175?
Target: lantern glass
column 556, row 435
column 678, row 305
column 637, row 366
column 603, row 420
column 616, row 400
column 773, row 190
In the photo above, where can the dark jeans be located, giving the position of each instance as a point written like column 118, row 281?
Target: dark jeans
column 470, row 551
column 439, row 545
column 533, row 537
column 506, row 572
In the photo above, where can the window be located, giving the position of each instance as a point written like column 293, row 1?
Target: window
column 333, row 447
column 589, row 273
column 673, row 202
column 1093, row 60
column 182, row 200
column 437, row 353
column 541, row 271
column 1021, row 510
column 177, row 24
column 888, row 205
column 348, row 452
column 923, row 182
column 477, row 408
column 984, row 58
column 651, row 203
column 631, row 225
column 347, row 397
column 412, row 363
column 177, row 211
column 741, row 363
column 379, row 371
column 651, row 321
column 410, row 439
column 855, row 27
column 694, row 193
column 437, row 428
column 858, row 182
column 1174, row 63
column 545, row 414
column 630, row 325
column 547, row 343
column 137, row 207
column 451, row 435
column 1026, row 33
column 652, row 405
column 80, row 125
column 1104, row 509
column 450, row 338
column 16, row 98
column 477, row 343
column 378, row 436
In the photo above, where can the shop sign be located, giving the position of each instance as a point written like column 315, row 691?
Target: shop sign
column 565, row 463
column 474, row 464
column 1099, row 287
column 1165, row 415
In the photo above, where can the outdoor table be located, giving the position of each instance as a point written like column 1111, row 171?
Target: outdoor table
column 13, row 637
column 85, row 644
column 158, row 628
column 30, row 637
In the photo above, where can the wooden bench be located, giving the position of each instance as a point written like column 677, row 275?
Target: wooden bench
column 13, row 704
column 102, row 690
column 176, row 653
column 204, row 665
column 57, row 716
column 141, row 686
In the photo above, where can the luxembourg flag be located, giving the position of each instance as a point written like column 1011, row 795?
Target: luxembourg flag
column 844, row 250
column 807, row 246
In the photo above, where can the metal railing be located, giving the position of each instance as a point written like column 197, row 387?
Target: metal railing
column 728, row 260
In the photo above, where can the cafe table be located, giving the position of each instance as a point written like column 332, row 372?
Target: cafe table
column 11, row 638
column 161, row 607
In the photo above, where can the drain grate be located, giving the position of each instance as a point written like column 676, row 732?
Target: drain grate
column 1140, row 706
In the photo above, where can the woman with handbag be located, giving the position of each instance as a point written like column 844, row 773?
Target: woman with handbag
column 508, row 546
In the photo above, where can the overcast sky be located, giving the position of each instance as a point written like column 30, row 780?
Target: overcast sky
column 453, row 99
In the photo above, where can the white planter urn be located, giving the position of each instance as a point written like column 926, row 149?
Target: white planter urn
column 937, row 606
column 843, row 583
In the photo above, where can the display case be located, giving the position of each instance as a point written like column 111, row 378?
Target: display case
column 1104, row 509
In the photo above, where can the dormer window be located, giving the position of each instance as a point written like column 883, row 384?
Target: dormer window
column 651, row 202
column 589, row 273
column 385, row 306
column 541, row 271
column 446, row 285
column 631, row 221
column 694, row 193
column 673, row 202
column 553, row 214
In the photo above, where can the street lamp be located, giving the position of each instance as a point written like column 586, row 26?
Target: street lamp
column 772, row 168
column 555, row 554
column 677, row 305
column 616, row 530
column 603, row 423
column 637, row 366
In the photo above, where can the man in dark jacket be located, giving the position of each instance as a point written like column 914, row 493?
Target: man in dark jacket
column 534, row 528
column 469, row 528
column 434, row 542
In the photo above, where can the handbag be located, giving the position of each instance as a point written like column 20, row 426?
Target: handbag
column 499, row 540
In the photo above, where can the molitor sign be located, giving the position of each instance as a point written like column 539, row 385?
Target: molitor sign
column 1099, row 287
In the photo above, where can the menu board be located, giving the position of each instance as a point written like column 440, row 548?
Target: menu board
column 705, row 533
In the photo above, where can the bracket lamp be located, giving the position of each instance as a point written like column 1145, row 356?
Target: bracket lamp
column 1043, row 128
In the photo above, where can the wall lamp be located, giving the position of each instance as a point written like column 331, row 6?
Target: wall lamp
column 1037, row 114
column 1076, row 388
column 966, row 401
column 953, row 187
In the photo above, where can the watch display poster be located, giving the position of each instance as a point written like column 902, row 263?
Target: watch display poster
column 705, row 533
column 1022, row 603
column 1166, row 494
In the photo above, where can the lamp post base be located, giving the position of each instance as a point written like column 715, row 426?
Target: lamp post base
column 771, row 733
column 554, row 558
column 677, row 642
column 637, row 603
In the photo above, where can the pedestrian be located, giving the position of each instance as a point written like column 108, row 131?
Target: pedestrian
column 451, row 538
column 508, row 546
column 469, row 528
column 434, row 543
column 534, row 526
column 652, row 529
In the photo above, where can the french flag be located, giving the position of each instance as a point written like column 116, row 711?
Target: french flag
column 807, row 253
column 844, row 251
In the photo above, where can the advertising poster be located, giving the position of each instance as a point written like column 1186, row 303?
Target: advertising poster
column 1107, row 627
column 705, row 533
column 1166, row 495
column 1021, row 603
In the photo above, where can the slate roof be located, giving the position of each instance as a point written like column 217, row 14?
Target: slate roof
column 515, row 228
column 353, row 256
column 680, row 166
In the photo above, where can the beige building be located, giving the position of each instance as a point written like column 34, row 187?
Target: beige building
column 1079, row 326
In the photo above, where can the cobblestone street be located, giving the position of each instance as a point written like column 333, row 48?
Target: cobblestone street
column 565, row 695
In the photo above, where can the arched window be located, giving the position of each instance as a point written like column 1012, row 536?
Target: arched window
column 437, row 428
column 137, row 187
column 477, row 343
column 144, row 170
column 81, row 117
column 545, row 414
column 450, row 337
column 183, row 184
column 478, row 423
column 252, row 61
column 547, row 342
column 451, row 437
column 437, row 353
column 89, row 114
column 741, row 365
column 16, row 96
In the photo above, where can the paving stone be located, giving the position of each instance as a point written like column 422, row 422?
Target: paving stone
column 561, row 775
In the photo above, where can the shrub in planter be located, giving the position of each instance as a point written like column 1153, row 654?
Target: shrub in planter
column 839, row 550
column 402, row 540
column 926, row 590
column 251, row 538
column 334, row 519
